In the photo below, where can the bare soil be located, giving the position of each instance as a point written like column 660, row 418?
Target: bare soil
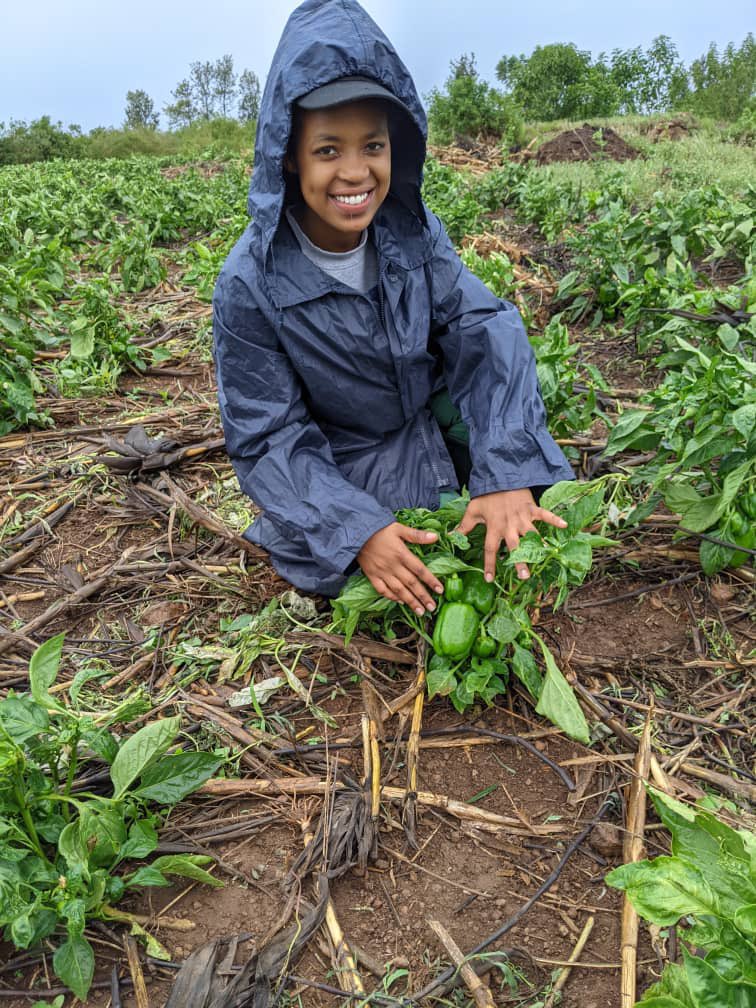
column 586, row 143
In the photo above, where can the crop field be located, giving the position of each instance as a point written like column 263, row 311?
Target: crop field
column 217, row 792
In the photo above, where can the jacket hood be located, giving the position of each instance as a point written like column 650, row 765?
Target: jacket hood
column 322, row 41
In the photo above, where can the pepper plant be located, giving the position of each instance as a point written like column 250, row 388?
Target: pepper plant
column 707, row 884
column 482, row 632
column 65, row 839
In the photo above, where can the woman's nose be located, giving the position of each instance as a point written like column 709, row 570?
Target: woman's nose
column 354, row 168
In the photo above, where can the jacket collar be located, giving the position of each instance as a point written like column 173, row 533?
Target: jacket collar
column 291, row 278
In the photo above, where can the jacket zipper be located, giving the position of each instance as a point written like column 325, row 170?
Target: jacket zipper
column 427, row 443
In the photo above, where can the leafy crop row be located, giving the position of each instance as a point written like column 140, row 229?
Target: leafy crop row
column 65, row 839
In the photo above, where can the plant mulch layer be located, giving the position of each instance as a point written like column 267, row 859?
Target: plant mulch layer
column 586, row 143
column 357, row 801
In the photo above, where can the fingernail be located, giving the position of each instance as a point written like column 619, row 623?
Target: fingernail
column 430, row 535
column 419, row 611
column 522, row 574
column 438, row 589
column 489, row 577
column 562, row 523
column 431, row 607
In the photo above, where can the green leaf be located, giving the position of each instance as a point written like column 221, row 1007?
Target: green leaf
column 43, row 670
column 621, row 270
column 141, row 842
column 558, row 703
column 82, row 342
column 146, row 877
column 576, row 555
column 671, row 991
column 22, row 718
column 710, row 990
column 729, row 337
column 174, row 777
column 187, row 866
column 102, row 833
column 444, row 563
column 503, row 626
column 745, row 920
column 153, row 946
column 73, row 963
column 744, row 420
column 532, row 549
column 140, row 750
column 697, row 513
column 665, row 889
column 440, row 679
column 713, row 557
column 559, row 493
column 526, row 670
column 72, row 849
column 633, row 430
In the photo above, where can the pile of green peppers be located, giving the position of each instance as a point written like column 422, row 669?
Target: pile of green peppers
column 458, row 631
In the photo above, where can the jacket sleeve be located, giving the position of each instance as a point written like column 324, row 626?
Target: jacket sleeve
column 281, row 457
column 490, row 372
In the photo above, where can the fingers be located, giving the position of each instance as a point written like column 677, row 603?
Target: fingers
column 541, row 514
column 415, row 535
column 490, row 552
column 512, row 541
column 395, row 572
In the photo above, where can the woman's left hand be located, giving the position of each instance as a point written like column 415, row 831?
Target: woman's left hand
column 507, row 515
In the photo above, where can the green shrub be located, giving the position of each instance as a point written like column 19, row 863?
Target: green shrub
column 471, row 108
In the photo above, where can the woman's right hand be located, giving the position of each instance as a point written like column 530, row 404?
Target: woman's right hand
column 395, row 572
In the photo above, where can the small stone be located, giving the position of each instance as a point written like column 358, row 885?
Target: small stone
column 722, row 593
column 413, row 876
column 400, row 962
column 501, row 904
column 571, row 913
column 179, row 951
column 563, row 930
column 382, row 864
column 606, row 840
column 403, row 910
column 540, row 745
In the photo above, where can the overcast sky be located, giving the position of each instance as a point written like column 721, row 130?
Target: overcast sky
column 74, row 60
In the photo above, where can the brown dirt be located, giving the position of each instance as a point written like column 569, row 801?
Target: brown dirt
column 586, row 143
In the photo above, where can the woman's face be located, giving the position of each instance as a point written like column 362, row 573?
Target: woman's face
column 343, row 159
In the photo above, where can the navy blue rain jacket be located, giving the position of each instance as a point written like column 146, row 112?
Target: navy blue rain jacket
column 323, row 390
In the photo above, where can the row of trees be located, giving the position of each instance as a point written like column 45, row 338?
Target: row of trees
column 560, row 81
column 213, row 90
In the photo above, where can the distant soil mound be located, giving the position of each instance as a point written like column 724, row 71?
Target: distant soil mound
column 588, row 143
column 674, row 129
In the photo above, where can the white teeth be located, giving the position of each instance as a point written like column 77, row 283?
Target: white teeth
column 352, row 200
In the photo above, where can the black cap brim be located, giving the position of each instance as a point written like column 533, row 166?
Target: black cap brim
column 344, row 90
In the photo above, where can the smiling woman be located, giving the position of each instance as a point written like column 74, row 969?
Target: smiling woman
column 342, row 310
column 342, row 159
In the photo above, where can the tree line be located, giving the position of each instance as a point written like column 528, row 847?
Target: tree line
column 212, row 90
column 560, row 81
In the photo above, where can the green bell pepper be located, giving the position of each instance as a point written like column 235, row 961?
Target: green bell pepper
column 484, row 646
column 478, row 592
column 455, row 630
column 454, row 588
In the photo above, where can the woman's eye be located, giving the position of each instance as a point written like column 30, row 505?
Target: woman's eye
column 376, row 145
column 327, row 151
